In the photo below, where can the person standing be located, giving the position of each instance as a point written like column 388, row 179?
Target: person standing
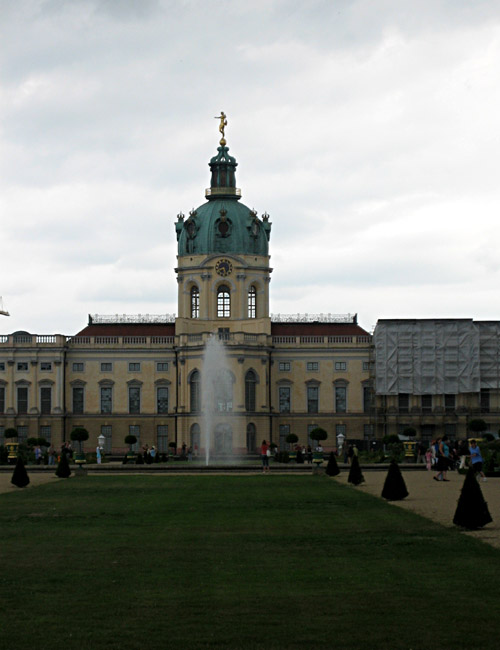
column 265, row 452
column 443, row 461
column 52, row 455
column 476, row 459
column 98, row 454
column 463, row 452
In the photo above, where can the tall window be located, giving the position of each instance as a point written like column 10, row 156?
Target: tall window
column 134, row 399
column 2, row 399
column 78, row 400
column 252, row 302
column 162, row 438
column 284, row 431
column 135, row 430
column 368, row 431
column 340, row 399
column 223, row 391
column 449, row 403
column 340, row 430
column 46, row 433
column 223, row 302
column 45, row 400
column 403, row 402
column 426, row 403
column 284, row 399
column 195, row 302
column 106, row 399
column 22, row 433
column 312, row 399
column 22, row 399
column 194, row 397
column 107, row 432
column 485, row 400
column 162, row 399
column 250, row 381
column 251, row 437
column 367, row 399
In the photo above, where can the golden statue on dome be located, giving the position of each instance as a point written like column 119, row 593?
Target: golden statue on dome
column 223, row 123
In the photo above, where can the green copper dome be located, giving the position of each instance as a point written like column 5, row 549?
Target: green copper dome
column 223, row 224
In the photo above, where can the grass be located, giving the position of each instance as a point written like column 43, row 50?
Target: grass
column 282, row 562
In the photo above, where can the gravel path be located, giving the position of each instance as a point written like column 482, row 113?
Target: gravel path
column 438, row 501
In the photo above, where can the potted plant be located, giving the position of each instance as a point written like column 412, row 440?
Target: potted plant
column 410, row 446
column 318, row 434
column 292, row 439
column 130, row 440
column 12, row 445
column 80, row 434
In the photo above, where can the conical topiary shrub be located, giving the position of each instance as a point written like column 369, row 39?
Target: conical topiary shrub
column 355, row 475
column 472, row 510
column 63, row 470
column 20, row 476
column 332, row 469
column 394, row 486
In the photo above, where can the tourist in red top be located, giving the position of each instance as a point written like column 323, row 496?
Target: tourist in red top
column 265, row 453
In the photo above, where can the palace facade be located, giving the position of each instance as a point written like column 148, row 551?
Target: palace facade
column 146, row 375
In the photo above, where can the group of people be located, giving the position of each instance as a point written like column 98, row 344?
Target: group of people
column 443, row 456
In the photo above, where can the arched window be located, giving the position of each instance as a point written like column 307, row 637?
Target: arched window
column 223, row 302
column 250, row 381
column 194, row 384
column 195, row 438
column 252, row 302
column 195, row 302
column 251, row 437
column 223, row 390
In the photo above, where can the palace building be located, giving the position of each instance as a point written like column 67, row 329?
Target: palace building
column 435, row 376
column 145, row 375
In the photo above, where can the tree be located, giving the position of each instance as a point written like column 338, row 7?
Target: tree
column 477, row 426
column 355, row 475
column 332, row 469
column 20, row 476
column 10, row 433
column 409, row 432
column 130, row 440
column 472, row 510
column 80, row 435
column 318, row 434
column 292, row 438
column 394, row 487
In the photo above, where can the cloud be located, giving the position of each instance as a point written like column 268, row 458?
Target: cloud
column 367, row 130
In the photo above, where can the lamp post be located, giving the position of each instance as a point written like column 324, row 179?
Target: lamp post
column 100, row 447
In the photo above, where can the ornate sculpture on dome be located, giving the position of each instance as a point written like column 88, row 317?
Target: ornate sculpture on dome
column 223, row 123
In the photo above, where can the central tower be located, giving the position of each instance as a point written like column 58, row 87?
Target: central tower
column 223, row 279
column 223, row 268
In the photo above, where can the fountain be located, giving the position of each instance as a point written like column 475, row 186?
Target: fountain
column 216, row 394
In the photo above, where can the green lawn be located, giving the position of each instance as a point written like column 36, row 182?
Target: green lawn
column 236, row 562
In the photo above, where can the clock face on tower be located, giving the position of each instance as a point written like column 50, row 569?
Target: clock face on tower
column 223, row 267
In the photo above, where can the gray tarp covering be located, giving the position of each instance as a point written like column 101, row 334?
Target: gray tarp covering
column 436, row 356
column 489, row 356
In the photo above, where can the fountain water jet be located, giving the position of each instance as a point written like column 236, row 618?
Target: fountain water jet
column 216, row 389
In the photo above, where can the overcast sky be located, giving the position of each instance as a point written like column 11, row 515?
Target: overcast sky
column 368, row 130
